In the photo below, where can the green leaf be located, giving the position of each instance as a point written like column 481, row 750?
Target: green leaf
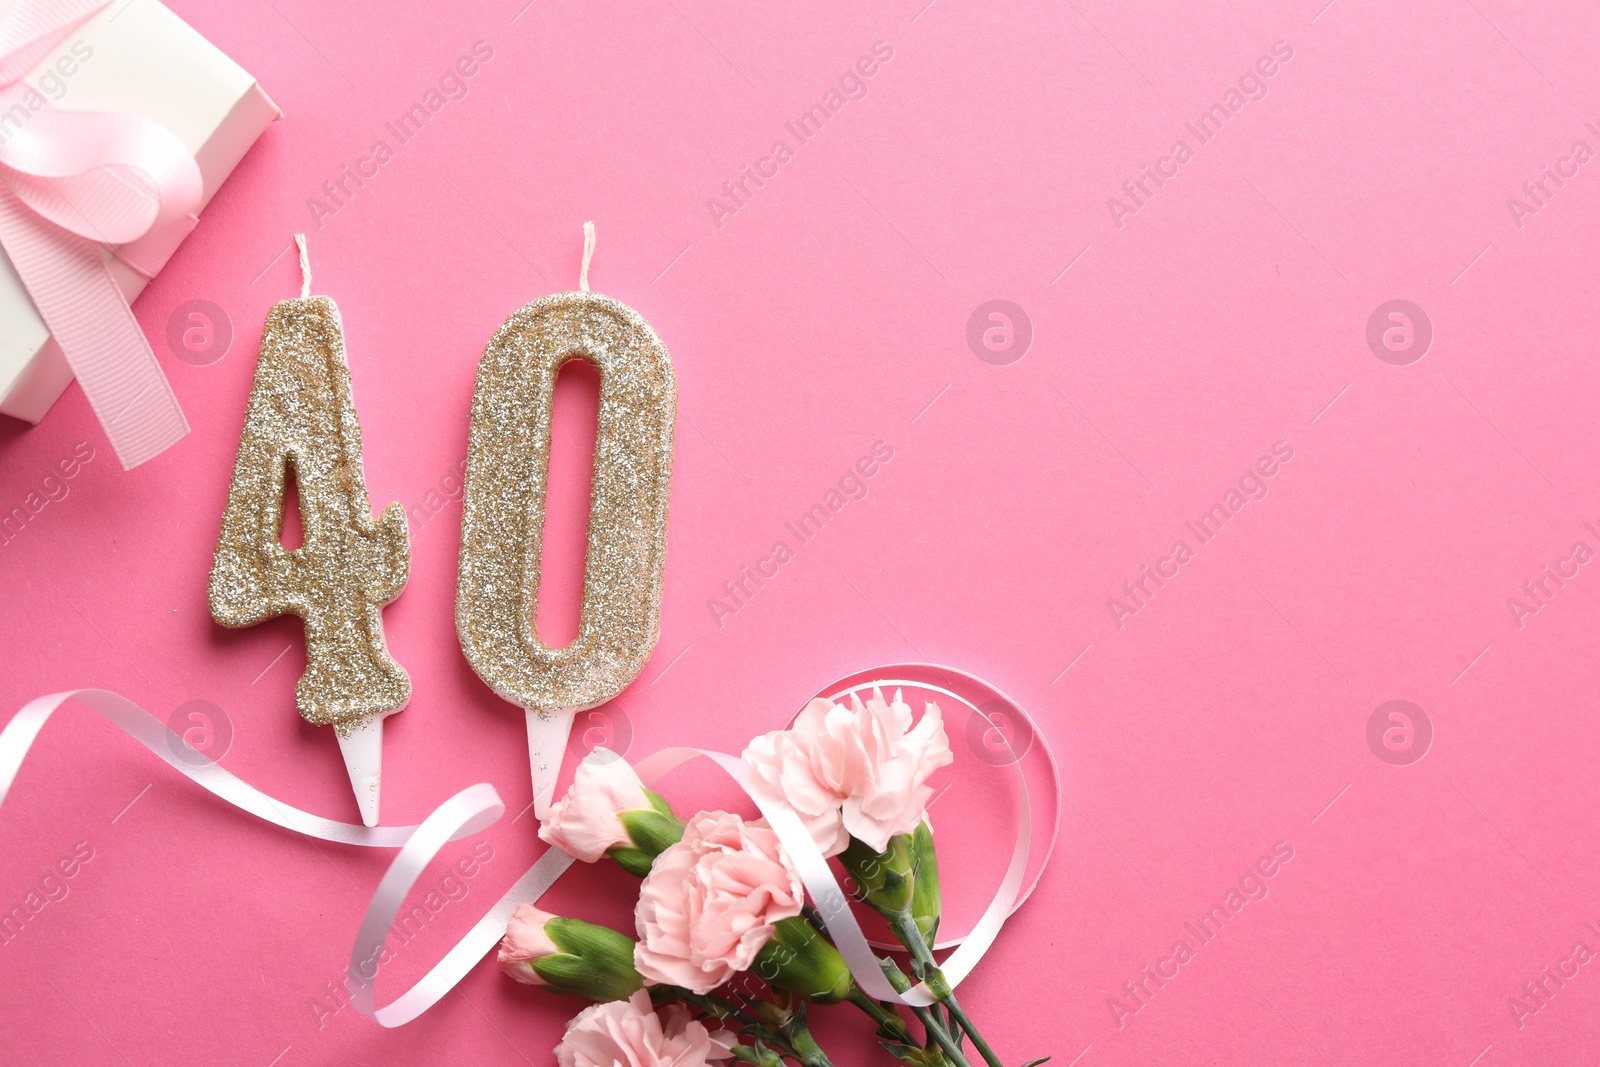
column 1035, row 1063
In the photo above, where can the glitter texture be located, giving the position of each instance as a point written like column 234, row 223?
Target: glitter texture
column 508, row 460
column 301, row 422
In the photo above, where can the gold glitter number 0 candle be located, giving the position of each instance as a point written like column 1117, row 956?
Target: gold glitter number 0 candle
column 502, row 527
column 301, row 423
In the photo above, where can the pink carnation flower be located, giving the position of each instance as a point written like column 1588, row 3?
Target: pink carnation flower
column 629, row 1033
column 860, row 771
column 584, row 823
column 709, row 903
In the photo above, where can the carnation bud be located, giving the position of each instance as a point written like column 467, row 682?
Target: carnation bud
column 801, row 960
column 568, row 956
column 651, row 831
column 883, row 879
column 925, row 902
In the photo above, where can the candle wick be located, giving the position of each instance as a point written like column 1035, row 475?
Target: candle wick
column 305, row 266
column 588, row 254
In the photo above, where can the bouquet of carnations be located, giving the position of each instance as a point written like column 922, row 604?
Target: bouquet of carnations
column 729, row 957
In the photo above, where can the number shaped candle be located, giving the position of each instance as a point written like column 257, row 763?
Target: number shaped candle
column 301, row 424
column 502, row 527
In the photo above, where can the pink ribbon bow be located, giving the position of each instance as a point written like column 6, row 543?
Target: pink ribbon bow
column 70, row 182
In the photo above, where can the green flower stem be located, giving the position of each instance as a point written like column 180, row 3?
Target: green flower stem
column 911, row 936
column 941, row 1008
column 930, row 1022
column 941, row 1037
column 890, row 1026
column 965, row 1023
column 943, row 1012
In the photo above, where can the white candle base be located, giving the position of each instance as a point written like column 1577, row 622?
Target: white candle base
column 362, row 748
column 547, row 746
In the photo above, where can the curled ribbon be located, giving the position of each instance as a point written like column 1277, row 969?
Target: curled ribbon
column 18, row 736
column 477, row 807
column 71, row 181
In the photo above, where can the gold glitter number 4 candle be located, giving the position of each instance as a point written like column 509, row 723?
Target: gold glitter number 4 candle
column 502, row 527
column 301, row 424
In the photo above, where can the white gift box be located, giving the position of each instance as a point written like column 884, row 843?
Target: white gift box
column 131, row 56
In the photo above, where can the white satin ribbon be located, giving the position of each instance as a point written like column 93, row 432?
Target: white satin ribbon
column 477, row 807
column 473, row 809
column 152, row 733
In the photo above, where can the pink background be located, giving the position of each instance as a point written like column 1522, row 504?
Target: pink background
column 1227, row 314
